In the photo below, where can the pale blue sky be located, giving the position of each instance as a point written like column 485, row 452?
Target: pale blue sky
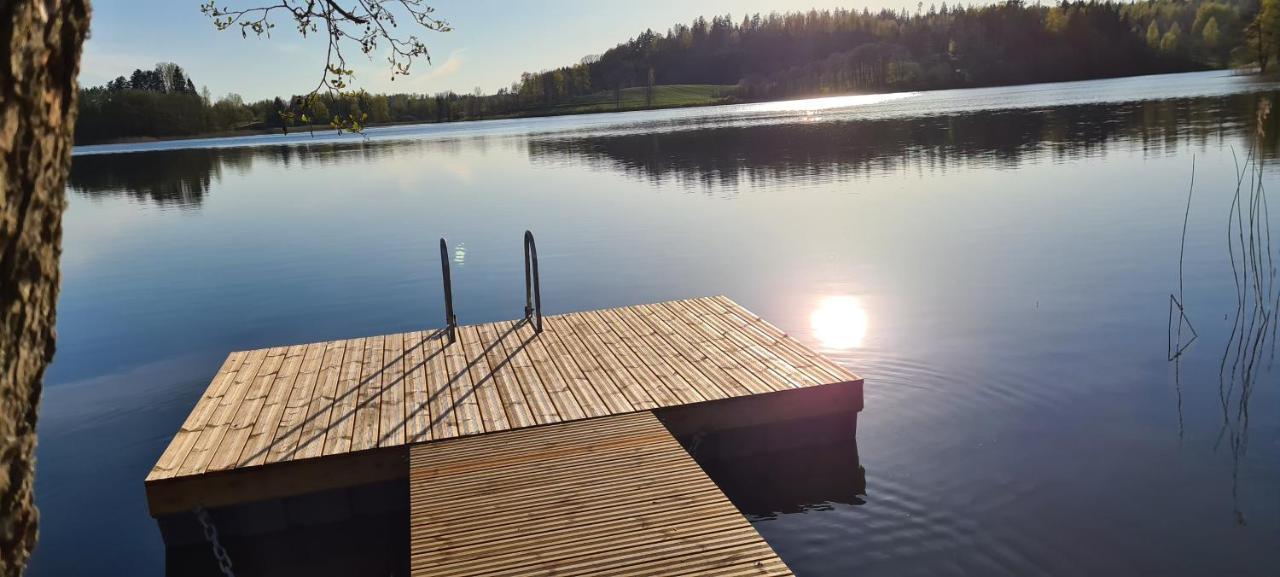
column 491, row 44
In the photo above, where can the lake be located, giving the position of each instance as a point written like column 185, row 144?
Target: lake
column 997, row 263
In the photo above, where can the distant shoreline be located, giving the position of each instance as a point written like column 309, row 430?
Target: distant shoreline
column 564, row 110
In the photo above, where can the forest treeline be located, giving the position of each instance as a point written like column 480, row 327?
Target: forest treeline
column 758, row 57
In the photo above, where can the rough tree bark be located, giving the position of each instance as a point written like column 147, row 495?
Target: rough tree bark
column 40, row 44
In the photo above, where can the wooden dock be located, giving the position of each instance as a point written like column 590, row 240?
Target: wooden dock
column 610, row 496
column 348, row 409
column 525, row 452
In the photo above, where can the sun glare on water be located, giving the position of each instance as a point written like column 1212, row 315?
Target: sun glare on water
column 839, row 322
column 829, row 102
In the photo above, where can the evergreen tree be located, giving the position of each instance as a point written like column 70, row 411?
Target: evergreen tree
column 1169, row 42
column 1211, row 34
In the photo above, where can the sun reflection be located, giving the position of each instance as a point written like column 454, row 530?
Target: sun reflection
column 460, row 254
column 829, row 102
column 839, row 322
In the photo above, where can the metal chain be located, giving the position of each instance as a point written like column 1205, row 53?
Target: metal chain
column 211, row 535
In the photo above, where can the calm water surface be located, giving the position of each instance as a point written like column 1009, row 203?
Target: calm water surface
column 998, row 264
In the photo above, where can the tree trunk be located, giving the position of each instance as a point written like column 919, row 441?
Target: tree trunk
column 41, row 41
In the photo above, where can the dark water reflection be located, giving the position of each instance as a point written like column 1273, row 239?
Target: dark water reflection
column 996, row 263
column 776, row 154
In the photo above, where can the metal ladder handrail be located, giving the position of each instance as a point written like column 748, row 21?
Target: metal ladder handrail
column 532, row 286
column 451, row 321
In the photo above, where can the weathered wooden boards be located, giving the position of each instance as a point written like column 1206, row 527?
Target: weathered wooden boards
column 610, row 496
column 272, row 407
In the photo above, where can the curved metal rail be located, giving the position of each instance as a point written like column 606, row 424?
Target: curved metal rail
column 532, row 286
column 451, row 321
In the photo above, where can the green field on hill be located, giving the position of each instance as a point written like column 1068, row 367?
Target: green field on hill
column 668, row 96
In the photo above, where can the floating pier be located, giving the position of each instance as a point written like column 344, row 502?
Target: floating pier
column 610, row 496
column 526, row 451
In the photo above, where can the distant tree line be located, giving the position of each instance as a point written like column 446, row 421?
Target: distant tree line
column 840, row 51
column 778, row 55
column 159, row 102
column 164, row 103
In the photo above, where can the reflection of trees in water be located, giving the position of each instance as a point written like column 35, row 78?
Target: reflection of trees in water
column 759, row 155
column 183, row 177
column 179, row 178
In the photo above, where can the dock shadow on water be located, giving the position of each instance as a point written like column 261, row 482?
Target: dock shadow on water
column 808, row 478
column 360, row 531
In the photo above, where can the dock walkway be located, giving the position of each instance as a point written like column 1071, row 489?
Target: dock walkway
column 610, row 496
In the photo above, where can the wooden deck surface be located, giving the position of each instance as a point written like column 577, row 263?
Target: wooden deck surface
column 611, row 496
column 344, row 397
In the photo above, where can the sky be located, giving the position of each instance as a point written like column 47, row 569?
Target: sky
column 491, row 43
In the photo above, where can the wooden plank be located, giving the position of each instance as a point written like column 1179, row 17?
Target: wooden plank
column 263, row 427
column 609, row 496
column 343, row 416
column 364, row 435
column 499, row 446
column 444, row 420
column 465, row 405
column 493, row 415
column 775, row 337
column 189, row 432
column 511, row 349
column 639, row 355
column 705, row 386
column 733, row 380
column 600, row 379
column 574, row 377
column 237, row 433
column 567, row 405
column 284, row 441
column 546, row 493
column 602, row 544
column 493, row 465
column 507, row 485
column 630, row 508
column 323, row 399
column 417, row 396
column 656, row 381
column 613, row 368
column 749, row 370
column 597, row 554
column 211, row 435
column 391, row 416
column 498, row 364
column 776, row 363
column 742, row 330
